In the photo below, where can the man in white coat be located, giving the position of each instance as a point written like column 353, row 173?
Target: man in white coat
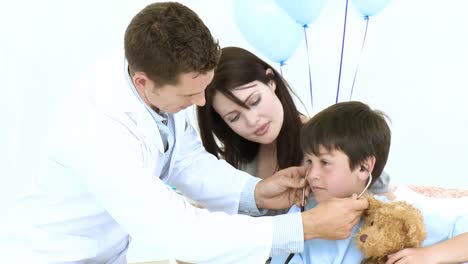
column 122, row 138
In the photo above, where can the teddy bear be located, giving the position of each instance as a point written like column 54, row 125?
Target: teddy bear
column 387, row 228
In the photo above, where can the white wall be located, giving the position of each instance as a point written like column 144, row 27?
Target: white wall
column 413, row 68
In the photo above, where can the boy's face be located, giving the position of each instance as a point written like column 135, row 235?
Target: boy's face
column 329, row 175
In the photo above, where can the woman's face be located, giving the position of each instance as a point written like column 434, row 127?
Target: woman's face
column 263, row 120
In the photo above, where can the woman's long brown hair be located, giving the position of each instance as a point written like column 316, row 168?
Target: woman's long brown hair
column 237, row 67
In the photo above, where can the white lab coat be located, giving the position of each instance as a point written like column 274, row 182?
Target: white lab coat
column 100, row 182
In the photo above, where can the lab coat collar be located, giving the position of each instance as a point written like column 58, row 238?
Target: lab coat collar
column 114, row 96
column 112, row 93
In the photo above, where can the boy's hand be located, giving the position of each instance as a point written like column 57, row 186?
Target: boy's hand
column 282, row 189
column 412, row 256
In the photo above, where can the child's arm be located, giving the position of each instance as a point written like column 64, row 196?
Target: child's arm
column 450, row 251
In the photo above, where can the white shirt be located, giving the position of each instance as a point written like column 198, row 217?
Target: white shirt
column 99, row 182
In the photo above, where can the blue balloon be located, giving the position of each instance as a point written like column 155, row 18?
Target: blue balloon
column 267, row 28
column 303, row 12
column 370, row 7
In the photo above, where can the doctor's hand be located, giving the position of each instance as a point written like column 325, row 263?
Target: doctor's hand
column 282, row 189
column 333, row 219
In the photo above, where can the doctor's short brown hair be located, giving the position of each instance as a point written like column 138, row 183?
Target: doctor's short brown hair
column 167, row 39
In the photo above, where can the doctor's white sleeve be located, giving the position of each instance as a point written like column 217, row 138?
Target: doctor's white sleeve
column 220, row 187
column 213, row 182
column 149, row 211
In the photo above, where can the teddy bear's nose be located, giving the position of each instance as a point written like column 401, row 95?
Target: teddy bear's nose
column 363, row 238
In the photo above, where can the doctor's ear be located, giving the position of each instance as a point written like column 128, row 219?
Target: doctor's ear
column 140, row 80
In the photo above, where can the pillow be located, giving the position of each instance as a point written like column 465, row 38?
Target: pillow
column 439, row 192
column 449, row 202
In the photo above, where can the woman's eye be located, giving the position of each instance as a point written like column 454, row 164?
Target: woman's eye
column 234, row 119
column 256, row 101
column 372, row 223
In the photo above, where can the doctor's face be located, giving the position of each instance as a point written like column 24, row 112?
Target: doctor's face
column 261, row 122
column 170, row 98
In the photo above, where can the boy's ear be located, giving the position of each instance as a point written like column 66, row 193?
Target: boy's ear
column 366, row 167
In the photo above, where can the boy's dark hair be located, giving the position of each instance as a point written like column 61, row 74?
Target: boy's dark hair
column 166, row 39
column 237, row 67
column 351, row 127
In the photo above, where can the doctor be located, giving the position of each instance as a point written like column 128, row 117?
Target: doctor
column 121, row 138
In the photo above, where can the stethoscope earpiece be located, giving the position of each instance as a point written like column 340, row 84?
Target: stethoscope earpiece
column 367, row 186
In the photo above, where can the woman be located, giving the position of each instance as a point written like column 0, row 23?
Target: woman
column 250, row 111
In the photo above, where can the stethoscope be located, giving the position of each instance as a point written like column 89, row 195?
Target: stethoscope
column 290, row 256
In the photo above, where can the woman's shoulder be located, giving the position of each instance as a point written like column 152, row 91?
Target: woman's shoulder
column 304, row 119
column 249, row 167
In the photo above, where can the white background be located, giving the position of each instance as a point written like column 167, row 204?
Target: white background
column 414, row 68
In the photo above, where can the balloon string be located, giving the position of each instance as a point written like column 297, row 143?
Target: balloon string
column 310, row 73
column 282, row 63
column 360, row 55
column 342, row 50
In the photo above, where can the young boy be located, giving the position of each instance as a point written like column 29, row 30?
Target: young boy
column 343, row 145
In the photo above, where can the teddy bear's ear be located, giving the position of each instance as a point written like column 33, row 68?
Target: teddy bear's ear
column 374, row 204
column 373, row 201
column 414, row 224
